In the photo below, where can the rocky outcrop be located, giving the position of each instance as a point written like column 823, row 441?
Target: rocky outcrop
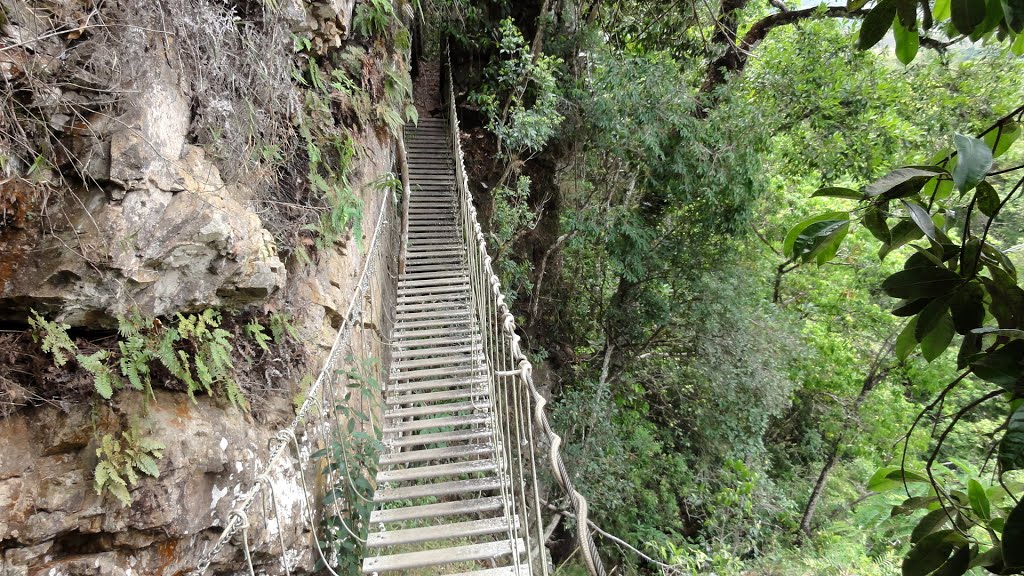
column 60, row 525
column 143, row 210
column 159, row 230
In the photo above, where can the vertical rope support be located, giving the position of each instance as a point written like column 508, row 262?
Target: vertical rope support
column 517, row 397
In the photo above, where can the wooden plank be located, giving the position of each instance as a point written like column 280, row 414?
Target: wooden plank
column 437, row 471
column 423, row 511
column 456, row 530
column 437, row 489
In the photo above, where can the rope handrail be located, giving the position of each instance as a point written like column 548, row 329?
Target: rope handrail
column 238, row 518
column 505, row 343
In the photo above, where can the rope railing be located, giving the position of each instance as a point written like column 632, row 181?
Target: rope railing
column 523, row 430
column 311, row 454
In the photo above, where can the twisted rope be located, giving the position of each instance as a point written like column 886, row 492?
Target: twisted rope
column 237, row 518
column 588, row 546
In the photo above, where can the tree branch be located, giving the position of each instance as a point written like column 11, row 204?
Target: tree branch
column 736, row 54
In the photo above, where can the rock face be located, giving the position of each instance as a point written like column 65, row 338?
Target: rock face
column 61, row 525
column 157, row 221
column 164, row 234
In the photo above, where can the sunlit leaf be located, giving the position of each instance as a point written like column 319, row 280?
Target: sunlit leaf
column 974, row 161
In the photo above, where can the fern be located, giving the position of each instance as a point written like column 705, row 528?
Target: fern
column 256, row 331
column 120, row 459
column 54, row 337
column 105, row 379
column 280, row 325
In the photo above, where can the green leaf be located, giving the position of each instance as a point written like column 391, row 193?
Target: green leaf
column 973, row 164
column 907, row 42
column 978, row 499
column 906, row 342
column 1013, row 536
column 929, row 523
column 874, row 221
column 794, row 232
column 900, row 183
column 958, row 564
column 1011, row 447
column 920, row 282
column 940, row 11
column 1018, row 45
column 1002, row 138
column 970, row 346
column 931, row 552
column 876, row 24
column 921, row 218
column 908, row 308
column 938, row 188
column 930, row 316
column 936, row 342
column 968, row 307
column 967, row 14
column 1003, row 367
column 838, row 192
column 904, row 231
column 987, row 199
column 913, row 503
column 881, row 482
column 970, row 258
column 815, row 237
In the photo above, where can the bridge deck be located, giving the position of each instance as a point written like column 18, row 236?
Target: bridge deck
column 440, row 490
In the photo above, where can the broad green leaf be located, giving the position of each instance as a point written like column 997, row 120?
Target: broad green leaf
column 881, row 482
column 913, row 503
column 987, row 199
column 874, row 221
column 936, row 341
column 904, row 231
column 974, row 161
column 967, row 14
column 900, row 183
column 1001, row 139
column 830, row 246
column 819, row 236
column 979, row 499
column 1003, row 367
column 838, row 192
column 1018, row 45
column 876, row 24
column 1013, row 536
column 907, row 42
column 929, row 523
column 968, row 307
column 794, row 232
column 852, row 5
column 938, row 188
column 908, row 308
column 1011, row 447
column 993, row 557
column 958, row 564
column 970, row 258
column 1007, row 298
column 906, row 342
column 940, row 11
column 969, row 347
column 920, row 282
column 931, row 552
column 930, row 316
column 920, row 217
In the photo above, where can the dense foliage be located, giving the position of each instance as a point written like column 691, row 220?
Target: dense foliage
column 736, row 394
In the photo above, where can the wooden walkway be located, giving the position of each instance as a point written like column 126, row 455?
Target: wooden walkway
column 442, row 503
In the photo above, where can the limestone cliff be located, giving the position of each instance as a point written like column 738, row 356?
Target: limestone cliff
column 156, row 158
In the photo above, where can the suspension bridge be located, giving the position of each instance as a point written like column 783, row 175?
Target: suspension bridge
column 468, row 464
